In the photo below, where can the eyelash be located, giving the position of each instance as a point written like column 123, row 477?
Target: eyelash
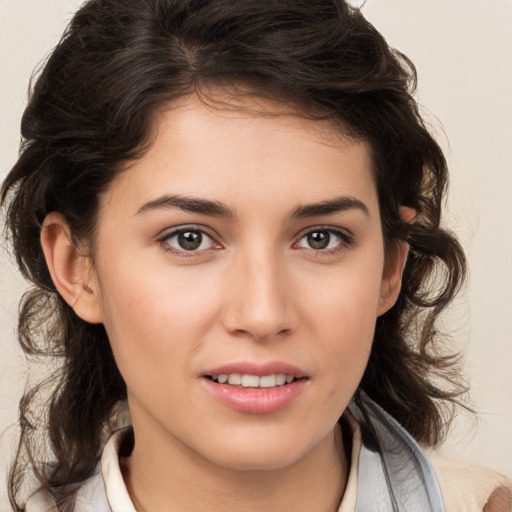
column 346, row 240
column 183, row 253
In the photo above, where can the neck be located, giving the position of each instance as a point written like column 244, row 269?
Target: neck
column 166, row 476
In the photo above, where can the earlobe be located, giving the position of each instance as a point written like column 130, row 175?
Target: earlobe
column 69, row 269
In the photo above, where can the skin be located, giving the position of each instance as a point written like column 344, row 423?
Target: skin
column 256, row 290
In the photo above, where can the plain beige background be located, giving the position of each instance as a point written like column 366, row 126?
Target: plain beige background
column 463, row 52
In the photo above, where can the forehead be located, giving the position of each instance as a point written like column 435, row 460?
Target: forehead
column 251, row 148
column 234, row 109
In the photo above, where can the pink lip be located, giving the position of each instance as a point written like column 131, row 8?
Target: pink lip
column 259, row 369
column 256, row 400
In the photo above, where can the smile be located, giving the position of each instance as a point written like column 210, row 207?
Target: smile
column 255, row 388
column 253, row 381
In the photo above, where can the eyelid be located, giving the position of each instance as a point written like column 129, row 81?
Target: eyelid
column 343, row 232
column 175, row 230
column 347, row 237
column 169, row 231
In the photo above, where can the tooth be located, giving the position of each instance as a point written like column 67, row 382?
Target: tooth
column 280, row 379
column 268, row 381
column 253, row 381
column 235, row 379
column 250, row 381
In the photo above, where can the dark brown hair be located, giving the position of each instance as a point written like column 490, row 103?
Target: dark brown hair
column 90, row 110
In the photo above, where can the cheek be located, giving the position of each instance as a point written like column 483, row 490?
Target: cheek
column 154, row 319
column 342, row 316
column 345, row 301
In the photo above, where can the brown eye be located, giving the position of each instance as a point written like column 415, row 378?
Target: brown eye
column 324, row 239
column 188, row 240
column 318, row 239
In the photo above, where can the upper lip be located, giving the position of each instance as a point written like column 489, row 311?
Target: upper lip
column 255, row 368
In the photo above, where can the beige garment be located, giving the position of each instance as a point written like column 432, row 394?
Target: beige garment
column 465, row 487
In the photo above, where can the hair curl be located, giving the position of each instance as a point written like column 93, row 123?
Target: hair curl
column 91, row 109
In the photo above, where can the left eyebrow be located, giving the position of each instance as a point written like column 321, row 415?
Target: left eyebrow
column 338, row 204
column 188, row 204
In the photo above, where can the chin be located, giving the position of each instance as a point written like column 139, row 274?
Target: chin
column 264, row 460
column 260, row 453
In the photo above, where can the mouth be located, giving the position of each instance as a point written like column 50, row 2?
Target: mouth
column 256, row 388
column 254, row 381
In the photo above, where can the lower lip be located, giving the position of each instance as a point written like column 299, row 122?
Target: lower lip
column 256, row 400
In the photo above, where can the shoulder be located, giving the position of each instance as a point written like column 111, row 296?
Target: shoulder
column 467, row 487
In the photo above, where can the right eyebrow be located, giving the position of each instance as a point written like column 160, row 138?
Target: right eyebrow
column 188, row 204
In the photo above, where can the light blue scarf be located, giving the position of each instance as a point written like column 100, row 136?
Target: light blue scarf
column 394, row 474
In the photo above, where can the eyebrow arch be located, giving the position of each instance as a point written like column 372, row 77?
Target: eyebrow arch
column 188, row 204
column 338, row 204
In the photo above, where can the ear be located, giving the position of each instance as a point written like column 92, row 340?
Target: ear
column 71, row 271
column 392, row 276
column 408, row 214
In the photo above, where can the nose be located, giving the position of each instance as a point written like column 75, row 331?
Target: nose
column 260, row 302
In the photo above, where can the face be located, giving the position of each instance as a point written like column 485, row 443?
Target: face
column 239, row 267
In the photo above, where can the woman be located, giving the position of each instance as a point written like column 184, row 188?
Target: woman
column 231, row 215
